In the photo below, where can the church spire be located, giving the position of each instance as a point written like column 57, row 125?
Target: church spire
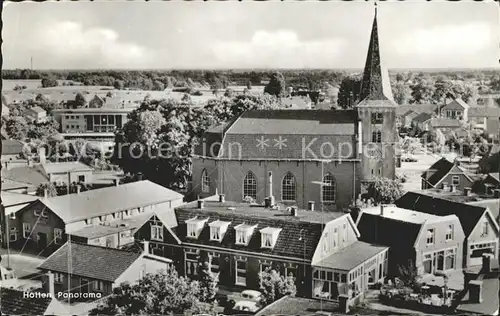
column 376, row 85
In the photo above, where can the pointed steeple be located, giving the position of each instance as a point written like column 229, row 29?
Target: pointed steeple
column 376, row 85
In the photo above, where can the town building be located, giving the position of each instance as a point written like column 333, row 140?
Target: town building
column 446, row 175
column 12, row 203
column 45, row 223
column 14, row 302
column 485, row 120
column 36, row 114
column 456, row 109
column 428, row 242
column 406, row 112
column 80, row 268
column 478, row 223
column 320, row 250
column 308, row 152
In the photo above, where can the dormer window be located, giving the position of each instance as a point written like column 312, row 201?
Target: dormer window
column 218, row 230
column 194, row 226
column 243, row 233
column 269, row 236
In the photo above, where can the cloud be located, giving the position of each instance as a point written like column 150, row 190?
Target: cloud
column 278, row 49
column 72, row 44
column 450, row 40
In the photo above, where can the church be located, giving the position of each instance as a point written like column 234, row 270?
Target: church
column 312, row 159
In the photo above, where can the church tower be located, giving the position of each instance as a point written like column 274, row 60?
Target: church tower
column 377, row 114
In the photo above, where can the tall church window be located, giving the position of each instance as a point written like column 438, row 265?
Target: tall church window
column 328, row 188
column 205, row 181
column 288, row 187
column 250, row 186
column 377, row 137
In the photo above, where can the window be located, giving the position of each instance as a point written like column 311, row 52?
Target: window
column 377, row 137
column 455, row 180
column 205, row 181
column 427, row 263
column 58, row 277
column 57, row 236
column 241, row 237
column 81, row 178
column 450, row 259
column 241, row 272
column 98, row 285
column 345, row 233
column 250, row 186
column 485, row 229
column 328, row 188
column 13, row 234
column 265, row 265
column 191, row 230
column 377, row 118
column 335, row 238
column 430, row 236
column 214, row 262
column 215, row 233
column 157, row 232
column 26, row 230
column 267, row 240
column 449, row 233
column 191, row 262
column 288, row 187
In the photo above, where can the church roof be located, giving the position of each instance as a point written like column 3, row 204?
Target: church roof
column 376, row 86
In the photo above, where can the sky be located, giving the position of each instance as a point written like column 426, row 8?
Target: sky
column 248, row 34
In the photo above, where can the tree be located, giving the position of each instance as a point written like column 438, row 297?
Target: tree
column 80, row 100
column 164, row 293
column 43, row 130
column 50, row 188
column 384, row 191
column 119, row 84
column 17, row 128
column 208, row 280
column 274, row 286
column 41, row 98
column 229, row 93
column 401, row 92
column 495, row 83
column 422, row 90
column 442, row 90
column 408, row 274
column 49, row 82
column 276, row 85
column 400, row 77
column 349, row 91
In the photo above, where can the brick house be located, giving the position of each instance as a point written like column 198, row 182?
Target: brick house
column 478, row 223
column 80, row 268
column 47, row 221
column 236, row 158
column 446, row 175
column 431, row 243
column 321, row 250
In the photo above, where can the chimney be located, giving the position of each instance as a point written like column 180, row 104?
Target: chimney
column 139, row 176
column 496, row 193
column 41, row 154
column 310, row 205
column 117, row 182
column 48, row 284
column 45, row 193
column 382, row 210
column 476, row 291
column 146, row 247
column 270, row 193
column 222, row 198
column 467, row 191
column 487, row 262
column 201, row 204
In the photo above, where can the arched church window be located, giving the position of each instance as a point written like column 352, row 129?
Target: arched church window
column 328, row 188
column 205, row 181
column 250, row 185
column 288, row 187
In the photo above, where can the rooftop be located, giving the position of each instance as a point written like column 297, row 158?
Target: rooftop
column 37, row 109
column 27, row 175
column 75, row 207
column 14, row 303
column 490, row 303
column 297, row 306
column 113, row 227
column 12, row 147
column 401, row 214
column 351, row 256
column 99, row 263
column 12, row 199
column 65, row 167
column 95, row 110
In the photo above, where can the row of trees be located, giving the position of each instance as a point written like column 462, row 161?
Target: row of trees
column 167, row 293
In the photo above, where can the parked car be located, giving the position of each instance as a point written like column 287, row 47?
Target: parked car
column 246, row 295
column 245, row 306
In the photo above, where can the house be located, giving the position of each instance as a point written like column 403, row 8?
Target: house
column 405, row 113
column 485, row 120
column 36, row 114
column 91, row 120
column 456, row 109
column 44, row 223
column 321, row 250
column 487, row 184
column 429, row 242
column 405, row 119
column 443, row 123
column 96, row 102
column 67, row 172
column 447, row 175
column 15, row 302
column 11, row 150
column 294, row 145
column 421, row 119
column 478, row 223
column 12, row 203
column 480, row 295
column 80, row 268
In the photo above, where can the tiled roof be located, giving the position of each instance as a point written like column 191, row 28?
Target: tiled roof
column 468, row 215
column 28, row 175
column 457, row 102
column 422, row 117
column 89, row 261
column 351, row 256
column 11, row 198
column 12, row 147
column 381, row 230
column 376, row 85
column 74, row 207
column 417, row 108
column 64, row 167
column 8, row 184
column 492, row 204
column 440, row 168
column 445, row 122
column 37, row 109
column 114, row 227
column 484, row 112
column 14, row 303
column 289, row 240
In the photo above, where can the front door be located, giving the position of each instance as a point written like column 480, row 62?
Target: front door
column 440, row 261
column 42, row 241
column 370, row 275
